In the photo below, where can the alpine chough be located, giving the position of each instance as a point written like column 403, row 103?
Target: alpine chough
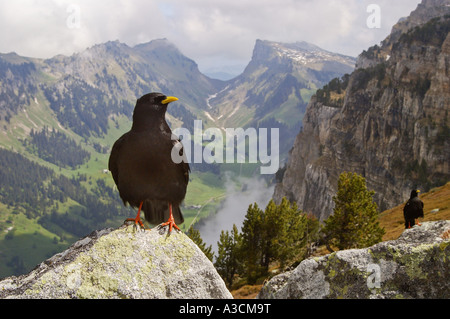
column 413, row 210
column 142, row 166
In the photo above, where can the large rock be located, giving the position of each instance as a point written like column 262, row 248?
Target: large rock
column 416, row 265
column 122, row 263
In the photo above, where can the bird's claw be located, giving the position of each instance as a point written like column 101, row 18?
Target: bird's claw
column 170, row 222
column 137, row 220
column 171, row 225
column 136, row 223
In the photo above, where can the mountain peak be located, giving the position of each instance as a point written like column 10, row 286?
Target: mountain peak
column 13, row 58
column 425, row 11
column 117, row 47
column 298, row 45
column 103, row 49
column 110, row 45
column 300, row 52
column 156, row 44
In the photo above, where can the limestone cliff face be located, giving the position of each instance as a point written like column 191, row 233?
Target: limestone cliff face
column 387, row 121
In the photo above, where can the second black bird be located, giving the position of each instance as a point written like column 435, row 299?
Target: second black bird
column 413, row 209
column 142, row 166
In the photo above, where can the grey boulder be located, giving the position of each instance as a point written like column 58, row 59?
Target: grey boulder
column 123, row 263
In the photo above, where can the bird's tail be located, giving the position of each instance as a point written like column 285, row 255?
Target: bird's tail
column 157, row 212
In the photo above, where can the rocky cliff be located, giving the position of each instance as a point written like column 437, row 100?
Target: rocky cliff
column 122, row 263
column 387, row 121
column 416, row 265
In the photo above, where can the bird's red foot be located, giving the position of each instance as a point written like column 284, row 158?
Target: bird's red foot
column 170, row 222
column 418, row 224
column 137, row 220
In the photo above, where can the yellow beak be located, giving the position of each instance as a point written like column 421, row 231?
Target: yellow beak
column 169, row 99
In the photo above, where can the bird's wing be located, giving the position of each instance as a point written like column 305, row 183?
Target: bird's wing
column 406, row 210
column 113, row 158
column 184, row 164
column 418, row 205
column 186, row 170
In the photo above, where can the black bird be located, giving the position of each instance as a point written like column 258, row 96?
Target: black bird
column 142, row 166
column 413, row 210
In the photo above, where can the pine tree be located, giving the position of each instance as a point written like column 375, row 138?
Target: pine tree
column 272, row 225
column 288, row 231
column 194, row 234
column 228, row 260
column 280, row 234
column 354, row 223
column 252, row 234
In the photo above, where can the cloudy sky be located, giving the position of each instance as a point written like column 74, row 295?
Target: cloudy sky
column 215, row 34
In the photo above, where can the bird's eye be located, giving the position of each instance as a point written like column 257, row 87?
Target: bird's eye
column 159, row 99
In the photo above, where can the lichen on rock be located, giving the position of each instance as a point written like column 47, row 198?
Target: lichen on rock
column 122, row 263
column 416, row 265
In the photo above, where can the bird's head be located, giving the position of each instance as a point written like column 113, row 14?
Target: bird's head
column 152, row 106
column 415, row 193
column 155, row 101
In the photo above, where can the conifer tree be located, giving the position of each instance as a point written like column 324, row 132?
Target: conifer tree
column 272, row 225
column 252, row 235
column 354, row 223
column 289, row 231
column 279, row 234
column 228, row 260
column 194, row 234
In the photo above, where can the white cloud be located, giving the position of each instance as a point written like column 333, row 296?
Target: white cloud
column 206, row 31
